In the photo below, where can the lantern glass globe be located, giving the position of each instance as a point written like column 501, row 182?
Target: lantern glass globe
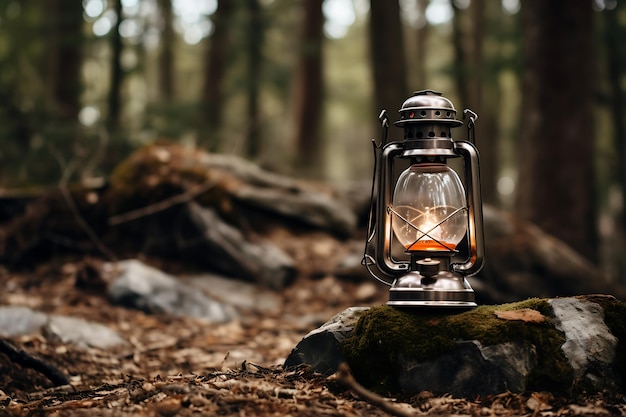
column 429, row 211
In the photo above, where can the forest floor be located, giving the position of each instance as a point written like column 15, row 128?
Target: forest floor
column 183, row 366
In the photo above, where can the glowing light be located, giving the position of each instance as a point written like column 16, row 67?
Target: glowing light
column 93, row 8
column 340, row 15
column 439, row 12
column 505, row 186
column 102, row 26
column 511, row 6
column 89, row 116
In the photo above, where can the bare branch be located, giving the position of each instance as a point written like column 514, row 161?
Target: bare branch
column 162, row 205
column 345, row 377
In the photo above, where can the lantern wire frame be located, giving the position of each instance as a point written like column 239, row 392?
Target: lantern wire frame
column 390, row 209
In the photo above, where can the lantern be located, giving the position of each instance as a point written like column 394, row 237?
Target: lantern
column 425, row 232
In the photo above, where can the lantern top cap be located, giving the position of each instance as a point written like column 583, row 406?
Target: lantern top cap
column 427, row 106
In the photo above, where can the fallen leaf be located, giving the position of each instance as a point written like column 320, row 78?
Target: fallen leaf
column 525, row 314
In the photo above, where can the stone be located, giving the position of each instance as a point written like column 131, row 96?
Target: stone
column 82, row 333
column 236, row 293
column 140, row 286
column 479, row 352
column 321, row 348
column 19, row 320
column 227, row 250
column 589, row 344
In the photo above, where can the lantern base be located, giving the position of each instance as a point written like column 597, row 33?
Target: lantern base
column 444, row 289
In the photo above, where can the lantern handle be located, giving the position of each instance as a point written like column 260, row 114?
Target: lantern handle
column 471, row 133
column 368, row 261
column 475, row 213
column 384, row 121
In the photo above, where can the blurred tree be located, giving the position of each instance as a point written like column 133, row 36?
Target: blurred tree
column 216, row 62
column 387, row 55
column 64, row 55
column 308, row 85
column 616, row 71
column 556, row 177
column 422, row 33
column 255, row 36
column 472, row 66
column 114, row 99
column 166, row 56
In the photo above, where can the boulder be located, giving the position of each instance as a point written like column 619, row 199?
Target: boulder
column 19, row 320
column 561, row 345
column 137, row 285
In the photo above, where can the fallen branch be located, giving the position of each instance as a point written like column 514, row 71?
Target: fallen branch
column 26, row 360
column 344, row 376
column 68, row 169
column 162, row 205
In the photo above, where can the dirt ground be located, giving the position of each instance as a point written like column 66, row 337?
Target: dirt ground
column 183, row 366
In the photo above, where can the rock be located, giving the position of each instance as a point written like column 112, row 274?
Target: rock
column 524, row 261
column 140, row 286
column 480, row 352
column 82, row 333
column 232, row 185
column 471, row 369
column 17, row 320
column 589, row 342
column 226, row 249
column 241, row 295
column 321, row 348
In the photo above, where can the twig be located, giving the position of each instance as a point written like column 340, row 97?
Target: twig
column 69, row 200
column 163, row 204
column 26, row 360
column 345, row 377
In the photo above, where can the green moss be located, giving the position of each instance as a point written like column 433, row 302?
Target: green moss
column 384, row 333
column 160, row 171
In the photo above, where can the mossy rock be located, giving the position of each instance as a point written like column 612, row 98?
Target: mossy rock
column 564, row 346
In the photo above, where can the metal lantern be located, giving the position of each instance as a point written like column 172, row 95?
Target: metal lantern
column 425, row 233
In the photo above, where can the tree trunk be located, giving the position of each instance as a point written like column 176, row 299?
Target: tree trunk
column 65, row 57
column 114, row 97
column 461, row 60
column 166, row 57
column 618, row 111
column 423, row 31
column 308, row 88
column 556, row 178
column 255, row 32
column 388, row 56
column 215, row 72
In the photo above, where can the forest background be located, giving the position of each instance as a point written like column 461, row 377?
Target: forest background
column 296, row 86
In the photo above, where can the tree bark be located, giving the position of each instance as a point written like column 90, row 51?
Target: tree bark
column 422, row 42
column 65, row 57
column 387, row 55
column 255, row 31
column 308, row 88
column 556, row 178
column 618, row 112
column 166, row 57
column 461, row 59
column 114, row 96
column 216, row 62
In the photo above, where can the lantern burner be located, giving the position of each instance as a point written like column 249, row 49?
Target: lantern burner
column 427, row 118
